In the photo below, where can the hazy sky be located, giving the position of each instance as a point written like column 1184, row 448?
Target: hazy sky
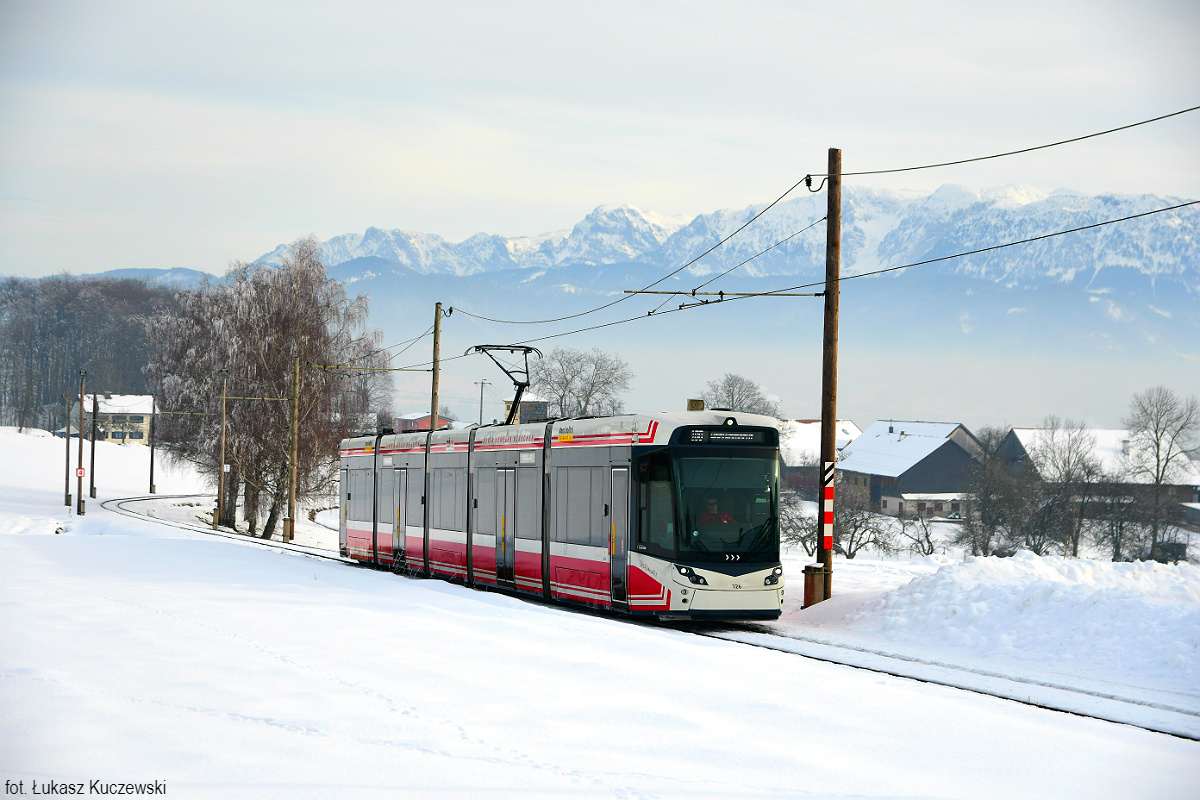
column 174, row 134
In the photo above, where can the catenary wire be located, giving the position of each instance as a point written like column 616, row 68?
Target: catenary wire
column 689, row 306
column 623, row 298
column 756, row 255
column 1012, row 152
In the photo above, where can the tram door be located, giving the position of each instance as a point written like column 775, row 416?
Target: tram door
column 506, row 526
column 399, row 501
column 619, row 532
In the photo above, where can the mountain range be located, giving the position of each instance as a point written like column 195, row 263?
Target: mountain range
column 1069, row 324
column 880, row 230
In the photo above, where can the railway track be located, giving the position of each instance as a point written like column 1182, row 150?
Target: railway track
column 1107, row 704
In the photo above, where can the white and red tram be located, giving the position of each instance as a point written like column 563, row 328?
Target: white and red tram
column 670, row 515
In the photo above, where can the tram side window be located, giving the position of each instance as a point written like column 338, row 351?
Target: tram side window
column 485, row 493
column 360, row 494
column 579, row 506
column 529, row 509
column 414, row 514
column 656, row 506
column 383, row 498
column 447, row 488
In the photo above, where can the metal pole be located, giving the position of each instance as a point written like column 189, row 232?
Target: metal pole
column 153, row 414
column 289, row 528
column 92, row 476
column 81, row 509
column 481, row 384
column 437, row 359
column 833, row 260
column 67, row 439
column 221, row 467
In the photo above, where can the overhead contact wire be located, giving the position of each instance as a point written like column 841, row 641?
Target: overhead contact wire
column 1013, row 152
column 623, row 298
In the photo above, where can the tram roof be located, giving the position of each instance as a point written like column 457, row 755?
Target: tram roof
column 654, row 427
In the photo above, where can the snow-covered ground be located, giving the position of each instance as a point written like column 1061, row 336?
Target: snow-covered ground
column 137, row 652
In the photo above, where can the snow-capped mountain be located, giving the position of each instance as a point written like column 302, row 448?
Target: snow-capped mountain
column 879, row 229
column 608, row 235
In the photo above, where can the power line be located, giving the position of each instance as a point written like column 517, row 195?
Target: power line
column 650, row 286
column 996, row 247
column 756, row 255
column 730, row 299
column 1010, row 152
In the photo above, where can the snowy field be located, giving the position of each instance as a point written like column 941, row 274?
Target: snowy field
column 136, row 652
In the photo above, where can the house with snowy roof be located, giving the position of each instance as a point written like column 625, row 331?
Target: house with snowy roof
column 800, row 452
column 911, row 468
column 1119, row 456
column 120, row 418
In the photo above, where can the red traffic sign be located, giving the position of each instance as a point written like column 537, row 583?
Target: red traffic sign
column 79, row 472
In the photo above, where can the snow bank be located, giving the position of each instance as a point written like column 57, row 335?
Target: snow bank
column 1137, row 623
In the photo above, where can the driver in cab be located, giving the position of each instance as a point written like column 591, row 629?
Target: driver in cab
column 712, row 515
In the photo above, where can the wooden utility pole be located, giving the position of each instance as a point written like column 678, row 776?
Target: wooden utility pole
column 92, row 476
column 67, row 438
column 221, row 467
column 833, row 268
column 81, row 508
column 437, row 365
column 289, row 526
column 153, row 415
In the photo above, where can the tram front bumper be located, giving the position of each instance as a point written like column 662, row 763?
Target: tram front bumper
column 709, row 601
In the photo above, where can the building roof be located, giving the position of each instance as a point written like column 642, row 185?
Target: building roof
column 800, row 439
column 888, row 454
column 1115, row 455
column 937, row 430
column 121, row 403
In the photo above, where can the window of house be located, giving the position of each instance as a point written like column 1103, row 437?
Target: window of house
column 954, row 506
column 938, row 507
column 135, row 435
column 117, row 435
column 136, row 418
column 885, row 503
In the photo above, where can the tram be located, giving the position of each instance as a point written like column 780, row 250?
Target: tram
column 671, row 515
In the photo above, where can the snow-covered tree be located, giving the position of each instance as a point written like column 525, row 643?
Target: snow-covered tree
column 249, row 329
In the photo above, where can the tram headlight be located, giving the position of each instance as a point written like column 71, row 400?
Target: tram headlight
column 691, row 575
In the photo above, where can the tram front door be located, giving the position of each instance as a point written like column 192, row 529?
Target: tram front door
column 399, row 501
column 619, row 533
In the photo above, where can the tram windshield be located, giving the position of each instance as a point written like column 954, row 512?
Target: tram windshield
column 728, row 507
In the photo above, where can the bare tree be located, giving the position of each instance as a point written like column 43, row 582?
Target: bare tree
column 1162, row 427
column 917, row 533
column 254, row 325
column 579, row 383
column 1064, row 457
column 855, row 526
column 796, row 526
column 1119, row 517
column 989, row 485
column 739, row 393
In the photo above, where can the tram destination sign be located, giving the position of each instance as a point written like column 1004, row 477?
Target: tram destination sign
column 725, row 436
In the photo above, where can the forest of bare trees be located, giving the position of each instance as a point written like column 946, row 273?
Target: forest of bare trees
column 52, row 328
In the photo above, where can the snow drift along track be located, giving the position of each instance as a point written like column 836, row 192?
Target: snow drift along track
column 1160, row 717
column 119, row 506
column 1155, row 716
